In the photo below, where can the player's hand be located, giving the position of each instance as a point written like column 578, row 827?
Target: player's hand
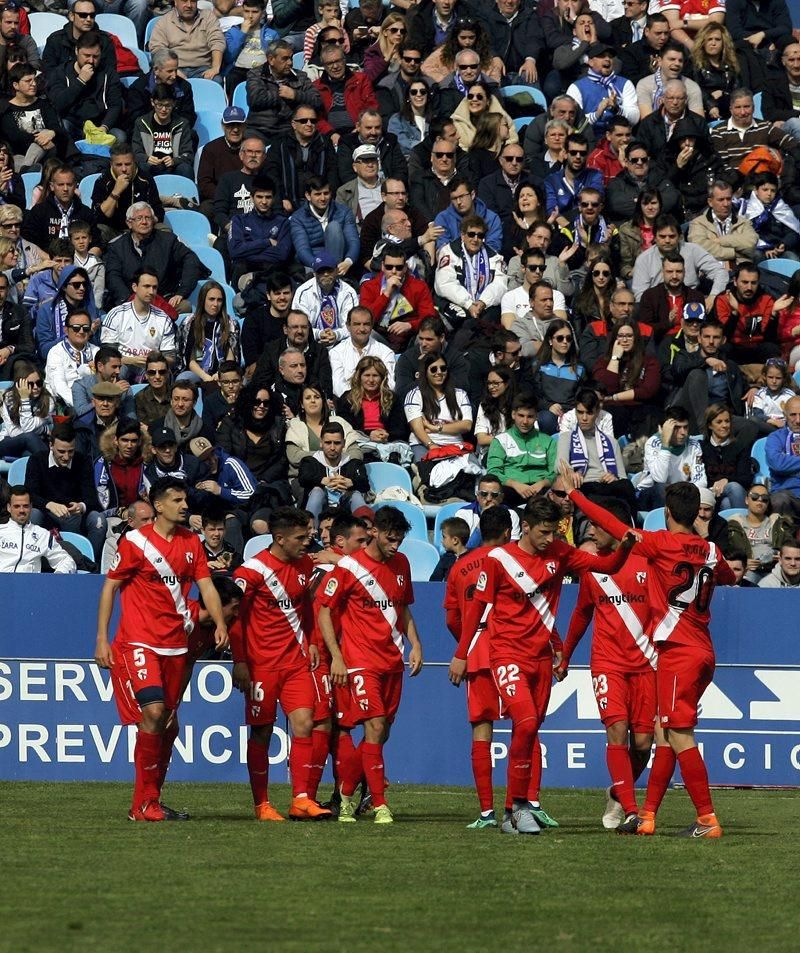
column 629, row 540
column 560, row 670
column 221, row 637
column 571, row 477
column 415, row 661
column 458, row 667
column 241, row 677
column 103, row 655
column 313, row 657
column 325, row 557
column 338, row 672
column 667, row 429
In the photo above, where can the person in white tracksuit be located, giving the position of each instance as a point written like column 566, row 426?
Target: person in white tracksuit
column 23, row 546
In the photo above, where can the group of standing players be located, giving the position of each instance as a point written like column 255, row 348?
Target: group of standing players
column 327, row 641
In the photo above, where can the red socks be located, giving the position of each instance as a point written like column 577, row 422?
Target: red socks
column 348, row 764
column 258, row 769
column 300, row 761
column 372, row 760
column 620, row 771
column 536, row 772
column 695, row 777
column 482, row 772
column 320, row 746
column 519, row 760
column 147, row 760
column 167, row 742
column 660, row 776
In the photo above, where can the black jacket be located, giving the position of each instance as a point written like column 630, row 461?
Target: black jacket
column 743, row 18
column 624, row 189
column 393, row 162
column 318, row 365
column 776, row 103
column 139, row 96
column 730, row 462
column 512, row 42
column 494, row 191
column 692, row 180
column 636, row 60
column 232, row 197
column 42, row 223
column 141, row 189
column 99, row 99
column 59, row 484
column 285, row 166
column 311, row 472
column 267, row 459
column 428, row 195
column 394, row 423
column 407, row 366
column 421, row 28
column 16, row 330
column 178, row 268
column 59, row 50
column 652, row 133
column 684, row 363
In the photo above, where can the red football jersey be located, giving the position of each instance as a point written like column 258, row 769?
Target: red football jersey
column 275, row 612
column 157, row 575
column 684, row 570
column 320, row 575
column 621, row 608
column 370, row 597
column 473, row 644
column 524, row 590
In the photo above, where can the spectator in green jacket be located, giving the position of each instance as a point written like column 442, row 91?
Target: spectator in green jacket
column 523, row 458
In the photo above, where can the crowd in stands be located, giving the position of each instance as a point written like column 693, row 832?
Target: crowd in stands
column 471, row 238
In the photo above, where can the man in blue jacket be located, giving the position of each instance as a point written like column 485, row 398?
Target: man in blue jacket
column 322, row 225
column 462, row 203
column 259, row 239
column 562, row 187
column 230, row 480
column 783, row 460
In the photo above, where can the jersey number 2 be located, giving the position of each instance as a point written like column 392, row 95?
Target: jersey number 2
column 693, row 587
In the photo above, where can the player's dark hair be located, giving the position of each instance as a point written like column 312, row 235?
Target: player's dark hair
column 683, row 502
column 617, row 508
column 588, row 397
column 332, row 427
column 227, row 590
column 63, row 431
column 541, row 510
column 677, row 413
column 344, row 524
column 455, row 526
column 286, row 518
column 163, row 485
column 389, row 519
column 106, row 353
column 494, row 523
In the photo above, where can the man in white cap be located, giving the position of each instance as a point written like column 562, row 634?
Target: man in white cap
column 362, row 194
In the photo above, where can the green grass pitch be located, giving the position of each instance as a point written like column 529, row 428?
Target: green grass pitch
column 76, row 875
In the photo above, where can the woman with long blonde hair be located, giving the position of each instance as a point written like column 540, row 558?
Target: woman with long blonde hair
column 372, row 410
column 716, row 68
column 384, row 55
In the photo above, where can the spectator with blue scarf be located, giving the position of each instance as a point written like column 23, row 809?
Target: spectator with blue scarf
column 601, row 93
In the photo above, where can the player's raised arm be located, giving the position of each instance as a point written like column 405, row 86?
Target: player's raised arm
column 415, row 660
column 213, row 605
column 102, row 650
column 578, row 624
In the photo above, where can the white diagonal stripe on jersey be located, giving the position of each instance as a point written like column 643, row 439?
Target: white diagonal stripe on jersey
column 281, row 596
column 629, row 618
column 666, row 626
column 376, row 593
column 163, row 568
column 480, row 629
column 521, row 579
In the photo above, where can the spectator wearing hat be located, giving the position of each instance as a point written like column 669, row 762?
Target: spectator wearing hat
column 107, row 363
column 323, row 225
column 601, row 93
column 686, row 339
column 104, row 412
column 62, row 489
column 362, row 194
column 327, row 300
column 709, row 524
column 181, row 418
column 119, row 470
column 23, row 546
column 296, row 155
column 664, row 305
column 168, row 460
column 219, row 157
column 260, row 239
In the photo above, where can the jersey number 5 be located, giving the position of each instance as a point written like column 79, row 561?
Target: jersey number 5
column 694, row 587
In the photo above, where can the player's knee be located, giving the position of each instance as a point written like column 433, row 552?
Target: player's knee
column 154, row 717
column 259, row 527
column 617, row 733
column 261, row 734
column 301, row 723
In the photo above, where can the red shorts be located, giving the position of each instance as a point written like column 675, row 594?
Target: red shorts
column 323, row 694
column 141, row 677
column 525, row 692
column 483, row 701
column 292, row 687
column 374, row 694
column 343, row 707
column 684, row 673
column 626, row 696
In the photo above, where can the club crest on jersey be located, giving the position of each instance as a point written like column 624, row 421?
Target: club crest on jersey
column 301, row 579
column 480, row 585
column 641, row 577
column 189, row 558
column 115, row 561
column 551, row 568
column 331, row 586
column 401, row 580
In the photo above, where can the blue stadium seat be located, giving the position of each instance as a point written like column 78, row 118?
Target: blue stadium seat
column 212, row 259
column 135, row 388
column 43, row 24
column 81, row 543
column 239, row 98
column 445, row 512
column 298, row 60
column 796, row 377
column 780, row 266
column 208, row 126
column 191, row 227
column 208, row 95
column 521, row 122
column 256, row 544
column 414, row 515
column 759, row 453
column 177, row 185
column 757, row 113
column 16, row 472
column 536, row 94
column 122, row 27
column 383, row 475
column 148, row 31
column 85, row 186
column 144, row 66
column 655, row 519
column 733, row 511
column 422, row 557
column 30, row 180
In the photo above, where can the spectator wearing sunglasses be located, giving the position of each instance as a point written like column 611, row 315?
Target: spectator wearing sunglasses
column 59, row 50
column 392, row 89
column 588, row 227
column 488, row 493
column 295, row 156
column 71, row 357
column 563, row 186
column 468, row 72
column 74, row 292
column 463, row 204
column 275, row 90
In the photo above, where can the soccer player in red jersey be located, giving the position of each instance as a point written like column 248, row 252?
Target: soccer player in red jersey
column 154, row 569
column 684, row 570
column 623, row 666
column 522, row 584
column 273, row 660
column 371, row 592
column 348, row 534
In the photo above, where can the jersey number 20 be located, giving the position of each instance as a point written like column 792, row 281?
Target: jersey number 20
column 694, row 587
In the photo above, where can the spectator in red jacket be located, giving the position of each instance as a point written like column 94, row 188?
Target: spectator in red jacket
column 398, row 301
column 607, row 156
column 338, row 83
column 748, row 316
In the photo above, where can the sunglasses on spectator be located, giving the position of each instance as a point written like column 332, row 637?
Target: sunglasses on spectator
column 776, row 362
column 759, row 497
column 494, row 383
column 88, row 15
column 155, row 372
column 337, row 40
column 389, row 267
column 601, row 273
column 639, row 160
column 411, row 59
column 559, row 494
column 444, row 155
column 468, row 65
column 476, row 97
column 563, row 338
column 577, row 152
column 590, row 205
column 535, row 267
column 438, row 369
column 474, row 233
column 513, row 158
column 260, row 402
column 418, row 92
column 490, row 494
column 396, row 29
column 34, row 383
column 306, row 121
column 80, row 328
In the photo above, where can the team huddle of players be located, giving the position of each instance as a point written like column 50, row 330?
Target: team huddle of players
column 326, row 641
